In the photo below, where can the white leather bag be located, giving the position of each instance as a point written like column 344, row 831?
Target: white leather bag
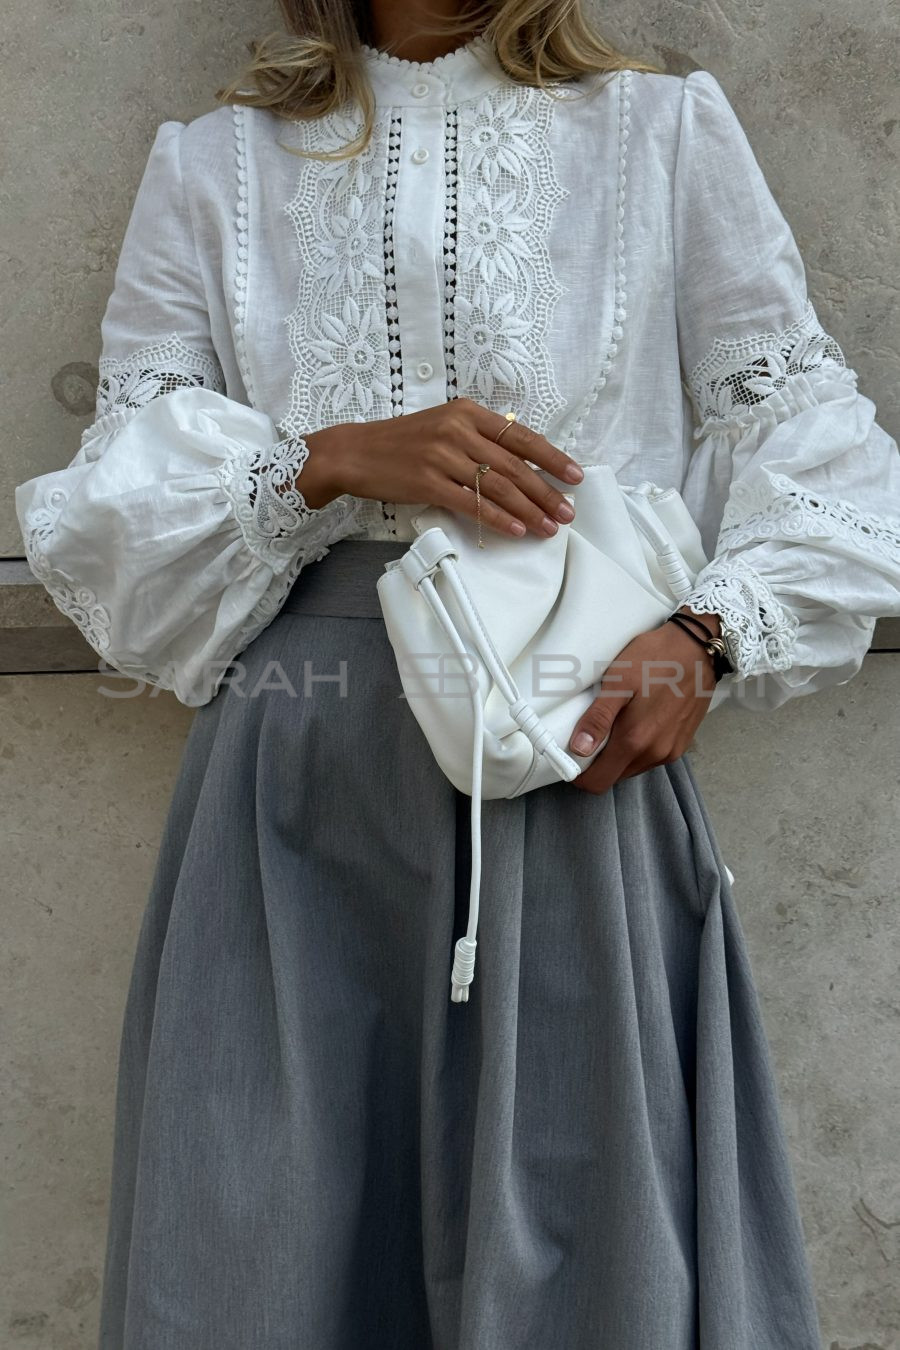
column 500, row 649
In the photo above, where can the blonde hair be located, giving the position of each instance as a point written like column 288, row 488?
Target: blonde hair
column 317, row 64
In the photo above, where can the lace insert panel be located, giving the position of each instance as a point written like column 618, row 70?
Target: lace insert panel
column 738, row 373
column 506, row 289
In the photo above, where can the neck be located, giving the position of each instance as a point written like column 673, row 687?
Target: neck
column 401, row 27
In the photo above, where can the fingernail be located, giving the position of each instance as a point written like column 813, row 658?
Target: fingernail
column 583, row 743
column 517, row 527
column 564, row 512
column 574, row 473
column 550, row 526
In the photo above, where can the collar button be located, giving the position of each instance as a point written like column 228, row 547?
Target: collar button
column 420, row 89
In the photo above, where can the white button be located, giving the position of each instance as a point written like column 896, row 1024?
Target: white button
column 420, row 89
column 419, row 156
column 424, row 370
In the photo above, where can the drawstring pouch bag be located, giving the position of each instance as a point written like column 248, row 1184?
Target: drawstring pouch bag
column 500, row 648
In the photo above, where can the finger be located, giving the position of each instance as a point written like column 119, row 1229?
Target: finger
column 494, row 486
column 513, row 485
column 498, row 486
column 520, row 448
column 620, row 750
column 597, row 721
column 459, row 498
column 611, row 764
column 526, row 443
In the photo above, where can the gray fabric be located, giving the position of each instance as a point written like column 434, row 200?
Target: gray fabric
column 316, row 1150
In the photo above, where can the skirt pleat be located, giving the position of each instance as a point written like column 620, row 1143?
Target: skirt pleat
column 315, row 1149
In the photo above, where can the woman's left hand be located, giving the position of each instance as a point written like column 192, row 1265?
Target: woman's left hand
column 652, row 699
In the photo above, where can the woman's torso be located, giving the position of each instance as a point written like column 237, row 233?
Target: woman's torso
column 492, row 242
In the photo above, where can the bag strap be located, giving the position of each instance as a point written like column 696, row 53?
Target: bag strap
column 670, row 560
column 442, row 558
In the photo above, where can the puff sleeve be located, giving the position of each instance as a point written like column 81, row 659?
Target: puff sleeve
column 795, row 486
column 174, row 535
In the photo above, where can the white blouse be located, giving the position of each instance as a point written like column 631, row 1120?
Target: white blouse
column 606, row 259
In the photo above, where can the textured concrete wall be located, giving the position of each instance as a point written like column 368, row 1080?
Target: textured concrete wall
column 804, row 800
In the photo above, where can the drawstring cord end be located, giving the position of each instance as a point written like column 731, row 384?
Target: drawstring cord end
column 463, row 970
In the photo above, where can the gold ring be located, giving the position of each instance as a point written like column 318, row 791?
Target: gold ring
column 510, row 417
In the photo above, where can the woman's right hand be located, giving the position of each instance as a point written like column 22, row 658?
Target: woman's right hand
column 431, row 456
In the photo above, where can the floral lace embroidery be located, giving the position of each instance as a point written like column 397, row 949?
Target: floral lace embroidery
column 337, row 331
column 738, row 373
column 506, row 289
column 752, row 513
column 277, row 510
column 82, row 607
column 759, row 631
column 261, row 487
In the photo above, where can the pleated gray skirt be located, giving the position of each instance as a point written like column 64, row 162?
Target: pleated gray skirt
column 315, row 1149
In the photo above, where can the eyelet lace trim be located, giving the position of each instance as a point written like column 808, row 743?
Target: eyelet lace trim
column 751, row 514
column 759, row 632
column 451, row 178
column 388, row 523
column 738, row 373
column 78, row 603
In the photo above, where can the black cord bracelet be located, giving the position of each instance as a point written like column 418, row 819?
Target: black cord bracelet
column 692, row 618
column 713, row 646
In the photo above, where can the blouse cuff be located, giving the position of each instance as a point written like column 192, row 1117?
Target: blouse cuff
column 261, row 485
column 759, row 631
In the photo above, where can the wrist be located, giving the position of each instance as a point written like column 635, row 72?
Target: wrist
column 701, row 633
column 325, row 471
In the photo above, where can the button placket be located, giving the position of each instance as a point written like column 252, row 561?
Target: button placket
column 419, row 209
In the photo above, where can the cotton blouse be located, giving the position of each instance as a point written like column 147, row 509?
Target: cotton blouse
column 603, row 257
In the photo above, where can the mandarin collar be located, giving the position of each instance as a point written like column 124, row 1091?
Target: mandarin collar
column 466, row 72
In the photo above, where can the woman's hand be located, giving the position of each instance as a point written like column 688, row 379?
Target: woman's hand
column 652, row 699
column 431, row 456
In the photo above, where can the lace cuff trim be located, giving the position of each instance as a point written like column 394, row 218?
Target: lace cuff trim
column 737, row 374
column 759, row 631
column 261, row 485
